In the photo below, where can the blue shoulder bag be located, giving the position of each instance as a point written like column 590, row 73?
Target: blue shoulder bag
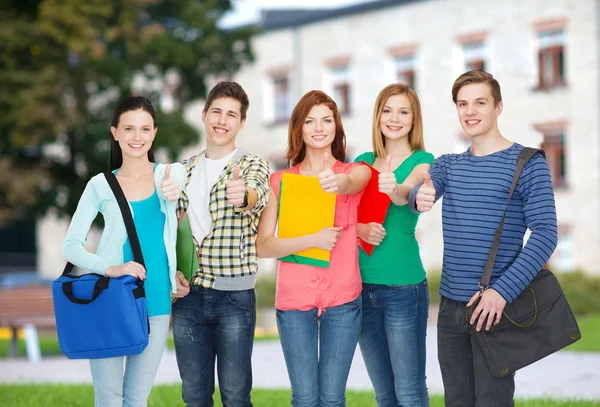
column 98, row 316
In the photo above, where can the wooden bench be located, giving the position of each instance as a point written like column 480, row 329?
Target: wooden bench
column 26, row 307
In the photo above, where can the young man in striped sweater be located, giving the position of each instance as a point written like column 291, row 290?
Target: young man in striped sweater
column 475, row 187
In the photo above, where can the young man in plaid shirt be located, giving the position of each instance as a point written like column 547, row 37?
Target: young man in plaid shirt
column 226, row 190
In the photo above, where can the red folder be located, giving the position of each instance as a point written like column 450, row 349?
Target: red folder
column 373, row 206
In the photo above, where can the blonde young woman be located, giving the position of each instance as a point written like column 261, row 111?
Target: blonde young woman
column 395, row 297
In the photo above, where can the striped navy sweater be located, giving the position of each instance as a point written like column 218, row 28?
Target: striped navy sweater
column 475, row 190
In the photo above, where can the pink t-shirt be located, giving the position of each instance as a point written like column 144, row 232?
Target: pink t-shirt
column 302, row 287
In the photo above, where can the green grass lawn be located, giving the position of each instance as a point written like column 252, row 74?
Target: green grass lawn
column 590, row 333
column 170, row 396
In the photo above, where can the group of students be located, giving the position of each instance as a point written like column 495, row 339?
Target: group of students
column 379, row 301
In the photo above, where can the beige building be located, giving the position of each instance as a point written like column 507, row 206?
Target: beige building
column 545, row 53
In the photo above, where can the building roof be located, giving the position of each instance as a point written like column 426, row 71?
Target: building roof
column 275, row 19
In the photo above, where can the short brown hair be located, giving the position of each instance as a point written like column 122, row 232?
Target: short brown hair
column 415, row 137
column 471, row 77
column 296, row 149
column 231, row 90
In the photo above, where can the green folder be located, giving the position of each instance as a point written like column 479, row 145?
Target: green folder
column 296, row 258
column 187, row 257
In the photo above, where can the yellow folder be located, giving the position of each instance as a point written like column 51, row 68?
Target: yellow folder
column 304, row 208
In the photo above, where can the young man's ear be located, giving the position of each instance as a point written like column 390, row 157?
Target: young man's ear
column 203, row 115
column 499, row 108
column 242, row 122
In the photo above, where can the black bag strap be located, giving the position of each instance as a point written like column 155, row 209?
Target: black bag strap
column 127, row 218
column 524, row 156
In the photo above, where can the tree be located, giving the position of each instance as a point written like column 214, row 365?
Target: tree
column 64, row 64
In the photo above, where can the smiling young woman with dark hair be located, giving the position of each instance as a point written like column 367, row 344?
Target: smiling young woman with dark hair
column 152, row 191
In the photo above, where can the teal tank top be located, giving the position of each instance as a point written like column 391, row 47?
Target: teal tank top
column 150, row 225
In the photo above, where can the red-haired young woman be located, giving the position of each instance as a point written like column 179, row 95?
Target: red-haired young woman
column 319, row 310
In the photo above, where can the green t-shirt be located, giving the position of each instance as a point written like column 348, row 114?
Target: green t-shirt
column 396, row 261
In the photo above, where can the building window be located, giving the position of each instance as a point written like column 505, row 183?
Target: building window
column 474, row 56
column 281, row 98
column 340, row 82
column 556, row 155
column 551, row 62
column 405, row 69
column 562, row 258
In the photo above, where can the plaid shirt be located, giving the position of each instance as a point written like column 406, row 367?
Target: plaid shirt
column 229, row 249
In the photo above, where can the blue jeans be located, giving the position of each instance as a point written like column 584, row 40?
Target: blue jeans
column 113, row 388
column 318, row 352
column 465, row 373
column 392, row 342
column 207, row 325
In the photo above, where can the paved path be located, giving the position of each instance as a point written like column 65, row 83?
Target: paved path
column 562, row 375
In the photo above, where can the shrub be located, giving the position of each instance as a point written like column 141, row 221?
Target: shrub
column 265, row 290
column 582, row 291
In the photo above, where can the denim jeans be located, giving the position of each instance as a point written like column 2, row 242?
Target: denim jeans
column 113, row 388
column 392, row 342
column 318, row 352
column 467, row 379
column 210, row 324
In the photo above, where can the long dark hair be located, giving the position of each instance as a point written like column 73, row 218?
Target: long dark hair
column 126, row 105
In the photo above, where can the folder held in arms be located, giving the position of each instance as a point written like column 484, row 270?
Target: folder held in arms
column 187, row 258
column 304, row 208
column 373, row 206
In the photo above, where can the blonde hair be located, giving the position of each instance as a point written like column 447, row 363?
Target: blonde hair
column 415, row 136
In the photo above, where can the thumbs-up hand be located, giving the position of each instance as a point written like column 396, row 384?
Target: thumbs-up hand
column 327, row 178
column 169, row 187
column 236, row 189
column 426, row 194
column 387, row 179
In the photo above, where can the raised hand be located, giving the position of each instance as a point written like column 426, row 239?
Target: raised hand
column 426, row 195
column 169, row 187
column 236, row 189
column 326, row 238
column 131, row 268
column 372, row 233
column 328, row 180
column 387, row 179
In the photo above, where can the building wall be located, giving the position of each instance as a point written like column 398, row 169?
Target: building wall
column 434, row 29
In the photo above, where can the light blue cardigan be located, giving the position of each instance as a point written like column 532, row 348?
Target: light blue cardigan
column 98, row 197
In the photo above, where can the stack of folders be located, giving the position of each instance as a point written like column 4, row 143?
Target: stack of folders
column 304, row 208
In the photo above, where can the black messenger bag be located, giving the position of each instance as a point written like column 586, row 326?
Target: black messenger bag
column 538, row 323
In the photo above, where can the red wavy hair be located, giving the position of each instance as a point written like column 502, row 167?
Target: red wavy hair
column 296, row 149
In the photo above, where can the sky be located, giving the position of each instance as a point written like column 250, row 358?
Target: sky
column 247, row 11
